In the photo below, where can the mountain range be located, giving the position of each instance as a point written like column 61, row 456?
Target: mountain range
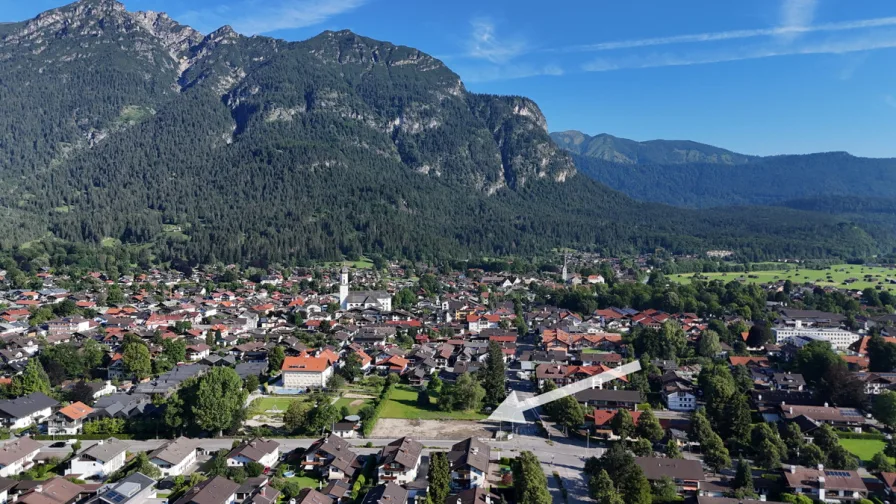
column 129, row 127
column 691, row 174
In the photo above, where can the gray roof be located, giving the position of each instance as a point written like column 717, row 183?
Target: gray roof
column 127, row 489
column 107, row 450
column 678, row 469
column 214, row 491
column 18, row 449
column 27, row 405
column 390, row 493
column 470, row 452
column 628, row 396
column 175, row 451
column 404, row 451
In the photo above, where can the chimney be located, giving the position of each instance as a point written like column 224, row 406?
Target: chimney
column 821, row 467
column 792, row 469
column 825, row 405
column 758, row 397
column 762, row 497
column 791, row 410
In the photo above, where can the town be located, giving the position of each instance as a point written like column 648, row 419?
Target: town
column 375, row 382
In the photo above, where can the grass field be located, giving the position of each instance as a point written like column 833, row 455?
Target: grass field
column 270, row 404
column 304, row 481
column 835, row 276
column 363, row 263
column 345, row 401
column 863, row 448
column 403, row 404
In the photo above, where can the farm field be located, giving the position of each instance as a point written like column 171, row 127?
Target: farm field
column 403, row 404
column 834, row 276
column 863, row 448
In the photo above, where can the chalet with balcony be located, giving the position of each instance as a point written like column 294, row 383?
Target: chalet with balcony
column 399, row 461
column 69, row 420
column 468, row 461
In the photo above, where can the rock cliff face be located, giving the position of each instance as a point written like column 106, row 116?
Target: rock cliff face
column 410, row 106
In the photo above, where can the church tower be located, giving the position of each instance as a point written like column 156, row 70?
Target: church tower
column 343, row 287
column 565, row 272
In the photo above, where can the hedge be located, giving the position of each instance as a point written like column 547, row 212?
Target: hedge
column 81, row 437
column 861, row 435
column 369, row 423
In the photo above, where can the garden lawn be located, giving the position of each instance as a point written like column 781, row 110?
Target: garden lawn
column 347, row 402
column 304, row 481
column 834, row 276
column 863, row 448
column 403, row 404
column 267, row 404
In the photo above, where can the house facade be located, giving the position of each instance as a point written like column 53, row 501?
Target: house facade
column 300, row 373
column 399, row 461
column 174, row 458
column 100, row 460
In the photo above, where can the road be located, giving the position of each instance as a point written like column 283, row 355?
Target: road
column 562, row 455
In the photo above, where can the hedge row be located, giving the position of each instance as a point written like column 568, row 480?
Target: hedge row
column 861, row 435
column 369, row 423
column 82, row 437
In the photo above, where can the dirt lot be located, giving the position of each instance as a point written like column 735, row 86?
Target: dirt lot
column 428, row 429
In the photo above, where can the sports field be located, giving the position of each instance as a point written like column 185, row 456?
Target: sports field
column 844, row 276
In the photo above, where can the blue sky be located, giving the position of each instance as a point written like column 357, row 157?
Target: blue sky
column 756, row 76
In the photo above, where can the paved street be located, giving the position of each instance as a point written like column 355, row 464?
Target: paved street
column 561, row 454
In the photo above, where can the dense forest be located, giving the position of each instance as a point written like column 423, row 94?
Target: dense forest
column 135, row 130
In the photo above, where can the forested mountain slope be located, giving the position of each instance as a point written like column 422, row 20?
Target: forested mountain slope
column 624, row 151
column 121, row 126
column 685, row 173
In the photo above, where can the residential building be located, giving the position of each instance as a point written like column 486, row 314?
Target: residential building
column 389, row 493
column 312, row 496
column 687, row 474
column 300, row 373
column 17, row 456
column 469, row 460
column 53, row 491
column 825, row 485
column 174, row 458
column 266, row 453
column 679, row 397
column 23, row 411
column 69, row 420
column 478, row 495
column 134, row 489
column 100, row 460
column 332, row 457
column 399, row 461
column 610, row 398
column 218, row 490
column 6, row 484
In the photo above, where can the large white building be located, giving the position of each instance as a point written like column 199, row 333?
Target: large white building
column 301, row 373
column 100, row 460
column 840, row 339
column 380, row 300
column 174, row 458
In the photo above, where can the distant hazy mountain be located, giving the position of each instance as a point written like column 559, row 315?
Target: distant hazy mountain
column 625, row 151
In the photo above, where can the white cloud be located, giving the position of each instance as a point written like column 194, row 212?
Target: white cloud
column 843, row 46
column 484, row 43
column 251, row 17
column 733, row 35
column 508, row 72
column 798, row 13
